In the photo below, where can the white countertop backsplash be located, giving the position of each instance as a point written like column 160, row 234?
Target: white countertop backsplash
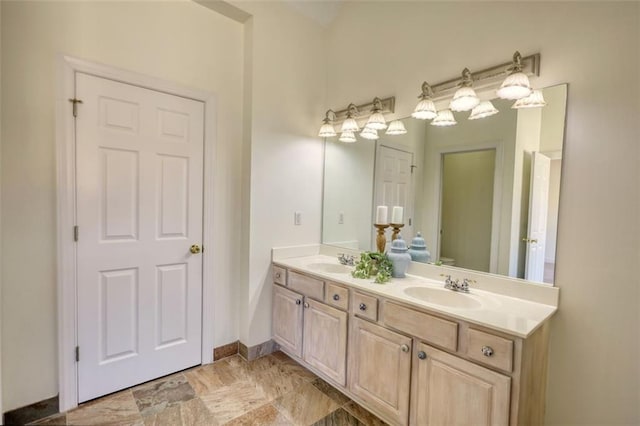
column 509, row 305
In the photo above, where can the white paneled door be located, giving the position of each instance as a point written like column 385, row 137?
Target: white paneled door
column 139, row 212
column 394, row 185
column 538, row 210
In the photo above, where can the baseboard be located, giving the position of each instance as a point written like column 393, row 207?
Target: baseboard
column 32, row 412
column 257, row 351
column 225, row 351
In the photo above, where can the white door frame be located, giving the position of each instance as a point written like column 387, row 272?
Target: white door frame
column 66, row 209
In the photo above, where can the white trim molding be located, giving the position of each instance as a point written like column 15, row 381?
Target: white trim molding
column 67, row 67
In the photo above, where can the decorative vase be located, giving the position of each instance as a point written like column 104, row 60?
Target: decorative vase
column 399, row 258
column 418, row 250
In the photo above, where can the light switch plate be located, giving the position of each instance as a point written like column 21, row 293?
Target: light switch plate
column 297, row 218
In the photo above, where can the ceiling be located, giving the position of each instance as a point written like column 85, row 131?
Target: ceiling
column 321, row 11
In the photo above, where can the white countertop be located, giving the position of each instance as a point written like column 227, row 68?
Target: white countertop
column 512, row 315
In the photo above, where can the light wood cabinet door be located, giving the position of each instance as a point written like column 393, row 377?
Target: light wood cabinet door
column 287, row 320
column 448, row 390
column 380, row 370
column 325, row 339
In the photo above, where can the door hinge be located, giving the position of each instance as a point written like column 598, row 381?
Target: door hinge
column 76, row 233
column 77, row 353
column 75, row 103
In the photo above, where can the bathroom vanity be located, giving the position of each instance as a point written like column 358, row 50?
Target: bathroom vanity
column 411, row 351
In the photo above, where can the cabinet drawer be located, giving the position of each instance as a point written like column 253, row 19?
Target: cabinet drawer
column 337, row 296
column 365, row 306
column 431, row 329
column 489, row 349
column 279, row 275
column 308, row 286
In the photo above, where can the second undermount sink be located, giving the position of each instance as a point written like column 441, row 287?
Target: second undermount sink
column 443, row 297
column 332, row 268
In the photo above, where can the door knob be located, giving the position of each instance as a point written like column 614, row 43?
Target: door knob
column 195, row 249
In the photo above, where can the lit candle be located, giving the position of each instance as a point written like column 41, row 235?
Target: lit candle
column 396, row 215
column 381, row 215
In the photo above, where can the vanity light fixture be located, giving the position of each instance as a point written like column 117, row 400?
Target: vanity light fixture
column 516, row 85
column 484, row 109
column 444, row 118
column 350, row 124
column 396, row 127
column 465, row 98
column 370, row 133
column 347, row 137
column 426, row 109
column 534, row 100
column 376, row 119
column 327, row 130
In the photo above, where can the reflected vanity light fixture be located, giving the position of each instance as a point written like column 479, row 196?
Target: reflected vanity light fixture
column 376, row 119
column 351, row 116
column 516, row 85
column 327, row 130
column 465, row 98
column 350, row 124
column 444, row 119
column 484, row 109
column 347, row 137
column 534, row 100
column 396, row 127
column 426, row 109
column 369, row 133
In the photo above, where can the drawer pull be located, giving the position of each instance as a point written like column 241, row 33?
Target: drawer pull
column 404, row 348
column 278, row 274
column 422, row 355
column 336, row 297
column 298, row 301
column 306, row 304
column 363, row 307
column 487, row 351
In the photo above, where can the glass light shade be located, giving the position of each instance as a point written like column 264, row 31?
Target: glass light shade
column 347, row 137
column 327, row 131
column 349, row 125
column 465, row 99
column 425, row 110
column 484, row 109
column 534, row 100
column 369, row 133
column 396, row 127
column 377, row 121
column 515, row 86
column 444, row 118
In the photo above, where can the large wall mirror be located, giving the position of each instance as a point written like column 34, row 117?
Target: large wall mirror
column 484, row 193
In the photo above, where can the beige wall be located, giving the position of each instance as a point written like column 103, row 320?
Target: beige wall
column 467, row 207
column 177, row 41
column 288, row 88
column 391, row 47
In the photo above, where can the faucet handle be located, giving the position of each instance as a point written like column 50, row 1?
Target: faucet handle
column 465, row 284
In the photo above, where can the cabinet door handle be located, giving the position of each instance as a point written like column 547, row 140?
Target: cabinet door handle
column 278, row 274
column 298, row 301
column 306, row 304
column 422, row 355
column 404, row 348
column 336, row 297
column 363, row 307
column 487, row 351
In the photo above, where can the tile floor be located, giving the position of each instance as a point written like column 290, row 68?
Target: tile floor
column 272, row 390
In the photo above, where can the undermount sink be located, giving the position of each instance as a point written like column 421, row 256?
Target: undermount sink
column 332, row 268
column 443, row 297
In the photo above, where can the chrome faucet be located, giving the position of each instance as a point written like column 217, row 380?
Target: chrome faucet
column 346, row 259
column 455, row 285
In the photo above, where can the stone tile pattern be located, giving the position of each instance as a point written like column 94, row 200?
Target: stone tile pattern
column 225, row 351
column 271, row 390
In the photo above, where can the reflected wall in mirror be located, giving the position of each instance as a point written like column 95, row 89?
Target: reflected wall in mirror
column 483, row 193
